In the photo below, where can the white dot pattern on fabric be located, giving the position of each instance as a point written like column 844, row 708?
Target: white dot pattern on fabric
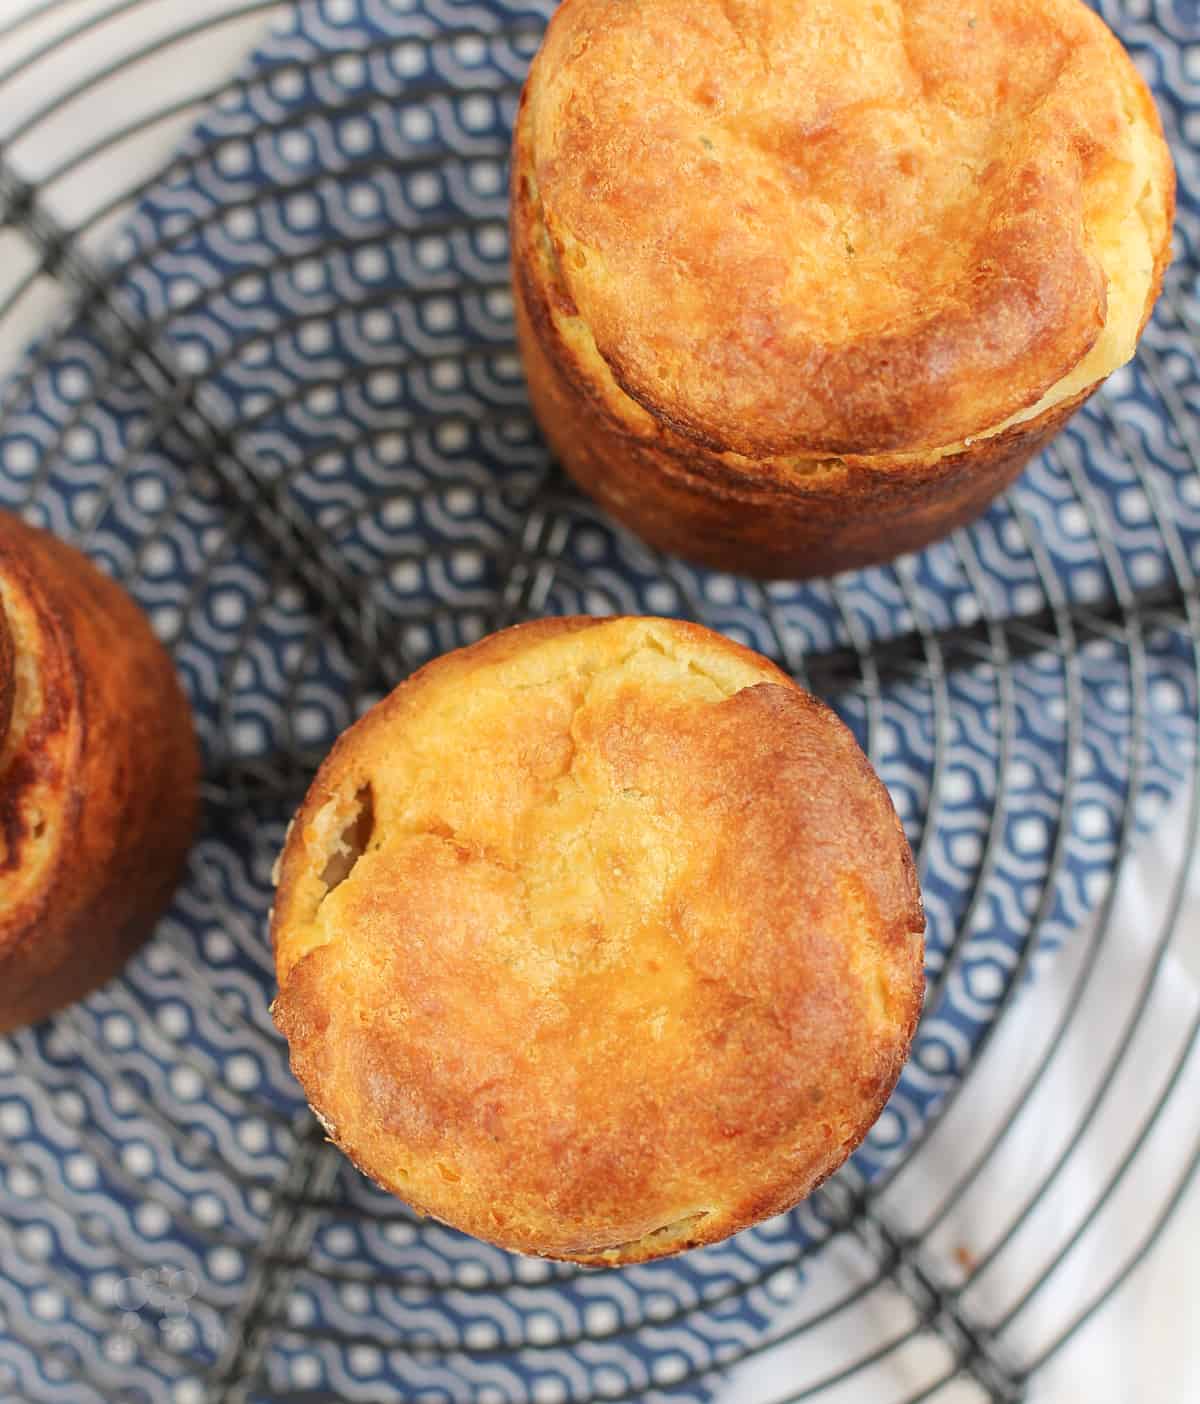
column 482, row 1335
column 225, row 1264
column 14, row 1119
column 329, row 263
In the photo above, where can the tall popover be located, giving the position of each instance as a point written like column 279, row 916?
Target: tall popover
column 802, row 284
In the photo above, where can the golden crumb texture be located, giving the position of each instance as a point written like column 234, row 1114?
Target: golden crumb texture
column 781, row 247
column 599, row 940
column 98, row 775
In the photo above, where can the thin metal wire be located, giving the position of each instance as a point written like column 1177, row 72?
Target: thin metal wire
column 1138, row 672
column 185, row 1055
column 32, row 13
column 531, row 569
column 1066, row 632
column 1138, row 687
column 933, row 1390
column 193, row 1149
column 1186, row 577
column 314, row 1167
column 1111, row 1185
column 1187, row 1181
column 184, row 165
column 868, row 667
column 998, row 661
column 113, row 1171
column 101, row 1151
column 997, row 657
column 69, row 94
column 706, row 1299
column 933, row 672
column 352, row 103
column 785, row 651
column 87, row 1310
column 66, row 36
column 910, row 1269
column 863, row 1362
column 850, row 1299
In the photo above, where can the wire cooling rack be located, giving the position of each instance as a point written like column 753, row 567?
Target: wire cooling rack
column 273, row 389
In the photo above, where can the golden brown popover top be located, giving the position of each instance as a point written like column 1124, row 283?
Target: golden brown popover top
column 848, row 226
column 598, row 939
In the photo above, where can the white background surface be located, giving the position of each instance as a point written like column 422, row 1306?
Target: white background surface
column 1145, row 1344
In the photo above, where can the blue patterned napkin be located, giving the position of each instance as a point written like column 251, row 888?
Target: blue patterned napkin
column 294, row 422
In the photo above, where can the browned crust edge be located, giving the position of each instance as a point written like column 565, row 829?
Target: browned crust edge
column 687, row 498
column 774, row 1198
column 6, row 674
column 128, row 791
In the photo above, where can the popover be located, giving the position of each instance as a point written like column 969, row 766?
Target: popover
column 598, row 939
column 802, row 284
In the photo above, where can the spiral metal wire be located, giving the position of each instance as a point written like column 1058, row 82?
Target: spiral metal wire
column 905, row 1288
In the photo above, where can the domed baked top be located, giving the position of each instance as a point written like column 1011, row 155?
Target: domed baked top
column 847, row 226
column 598, row 939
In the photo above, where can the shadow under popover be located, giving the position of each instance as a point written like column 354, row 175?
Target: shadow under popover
column 802, row 284
column 599, row 939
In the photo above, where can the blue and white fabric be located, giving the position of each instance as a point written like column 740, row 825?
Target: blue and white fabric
column 315, row 467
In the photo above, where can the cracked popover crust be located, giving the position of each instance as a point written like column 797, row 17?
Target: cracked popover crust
column 801, row 284
column 599, row 939
column 99, row 775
